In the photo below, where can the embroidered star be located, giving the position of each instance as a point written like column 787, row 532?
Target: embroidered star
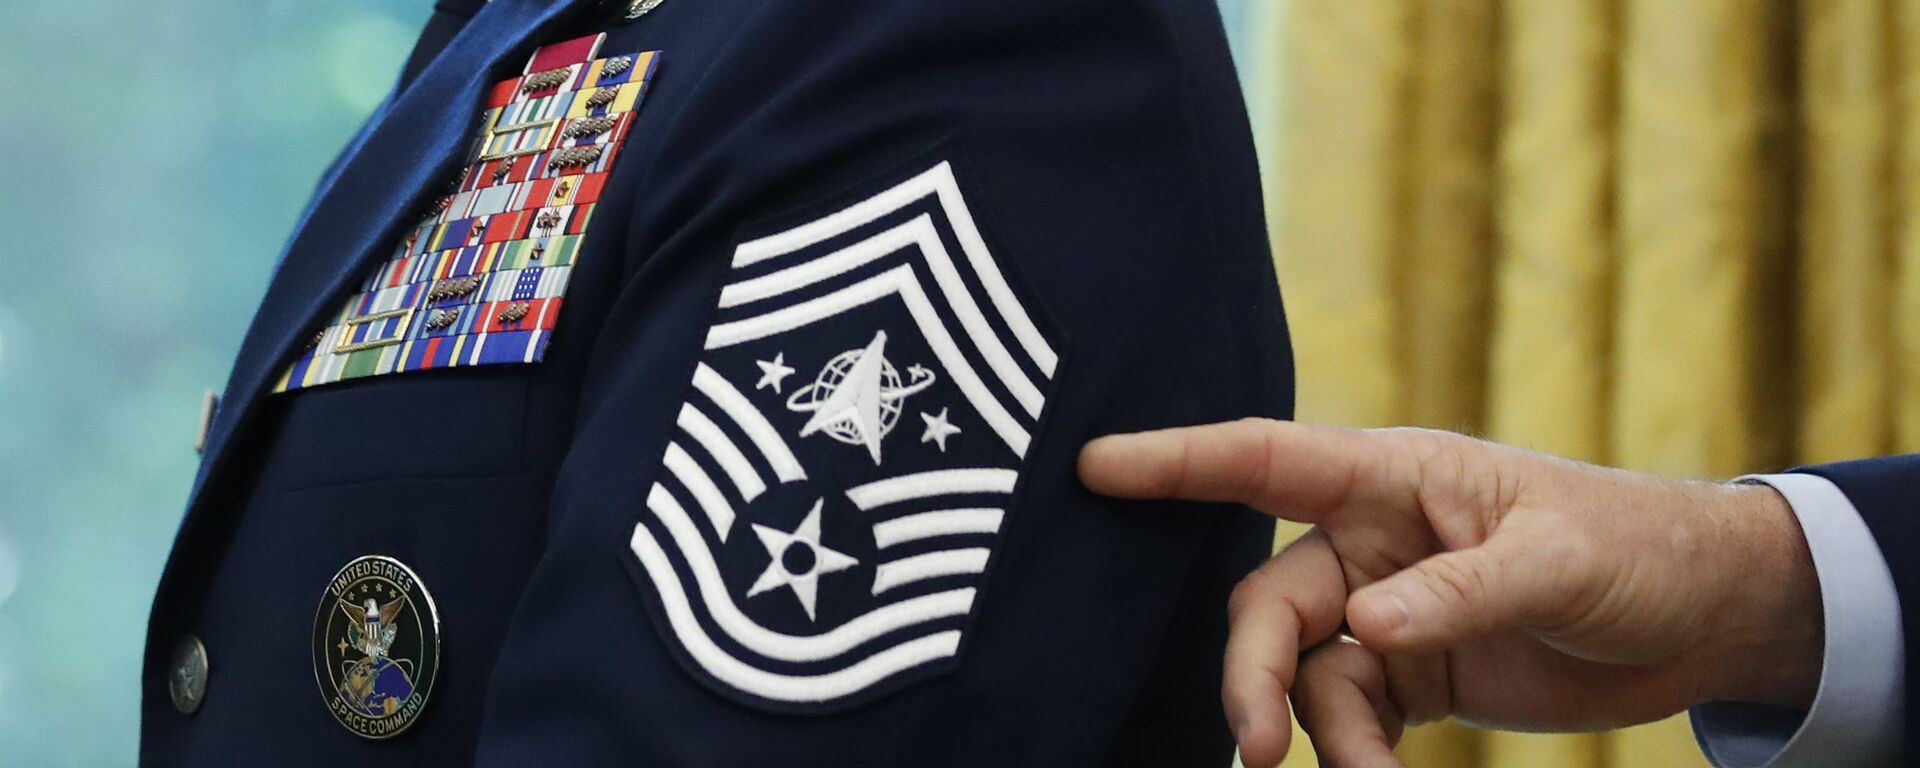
column 938, row 429
column 772, row 373
column 342, row 645
column 798, row 560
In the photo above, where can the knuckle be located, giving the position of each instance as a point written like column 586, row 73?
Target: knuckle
column 1447, row 454
column 1422, row 710
column 1333, row 666
column 1459, row 478
column 1249, row 591
column 1457, row 581
column 1420, row 441
column 1433, row 458
column 1352, row 662
column 1176, row 482
column 1417, row 688
column 1254, row 484
column 1317, row 670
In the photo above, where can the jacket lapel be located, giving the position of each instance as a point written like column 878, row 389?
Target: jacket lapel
column 405, row 155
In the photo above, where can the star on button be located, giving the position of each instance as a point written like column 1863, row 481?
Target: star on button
column 938, row 429
column 798, row 560
column 772, row 373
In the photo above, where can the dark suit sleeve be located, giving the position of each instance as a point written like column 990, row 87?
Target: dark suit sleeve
column 1883, row 490
column 1081, row 213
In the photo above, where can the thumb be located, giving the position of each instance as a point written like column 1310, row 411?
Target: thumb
column 1453, row 597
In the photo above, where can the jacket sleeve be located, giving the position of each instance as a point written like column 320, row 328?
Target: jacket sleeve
column 896, row 263
column 1856, row 716
column 1883, row 492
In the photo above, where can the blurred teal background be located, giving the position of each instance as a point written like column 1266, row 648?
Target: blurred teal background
column 155, row 156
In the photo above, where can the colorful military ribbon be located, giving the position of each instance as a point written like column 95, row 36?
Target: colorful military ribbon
column 481, row 280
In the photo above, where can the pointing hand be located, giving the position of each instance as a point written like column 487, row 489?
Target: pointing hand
column 1507, row 588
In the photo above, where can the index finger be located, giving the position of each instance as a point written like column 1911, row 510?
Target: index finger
column 1296, row 471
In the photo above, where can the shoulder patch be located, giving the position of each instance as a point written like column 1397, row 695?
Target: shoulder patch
column 846, row 458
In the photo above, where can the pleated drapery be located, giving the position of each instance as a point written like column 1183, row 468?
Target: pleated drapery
column 1681, row 236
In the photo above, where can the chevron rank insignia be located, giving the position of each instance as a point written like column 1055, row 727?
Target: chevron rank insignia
column 481, row 279
column 847, row 455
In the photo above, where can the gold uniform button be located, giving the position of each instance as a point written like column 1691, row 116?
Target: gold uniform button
column 187, row 675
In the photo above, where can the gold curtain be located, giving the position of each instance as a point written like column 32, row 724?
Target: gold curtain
column 1681, row 236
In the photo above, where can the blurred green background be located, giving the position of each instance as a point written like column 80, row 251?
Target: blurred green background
column 155, row 156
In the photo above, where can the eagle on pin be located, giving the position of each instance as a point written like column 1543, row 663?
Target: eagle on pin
column 372, row 630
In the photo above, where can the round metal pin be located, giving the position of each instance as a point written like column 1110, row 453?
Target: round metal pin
column 376, row 646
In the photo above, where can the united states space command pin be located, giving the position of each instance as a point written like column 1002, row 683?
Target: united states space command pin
column 376, row 646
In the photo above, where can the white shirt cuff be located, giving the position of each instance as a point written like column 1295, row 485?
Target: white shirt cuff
column 1858, row 711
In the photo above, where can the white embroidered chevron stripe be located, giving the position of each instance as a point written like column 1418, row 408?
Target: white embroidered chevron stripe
column 771, row 685
column 706, row 495
column 759, row 431
column 708, row 434
column 832, row 645
column 950, row 562
column 941, row 482
column 942, row 522
column 938, row 180
column 917, row 232
column 897, row 281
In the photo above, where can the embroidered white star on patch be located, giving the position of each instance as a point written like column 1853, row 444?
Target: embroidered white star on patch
column 938, row 429
column 772, row 373
column 798, row 560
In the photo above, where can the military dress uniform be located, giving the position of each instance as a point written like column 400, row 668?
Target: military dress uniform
column 700, row 382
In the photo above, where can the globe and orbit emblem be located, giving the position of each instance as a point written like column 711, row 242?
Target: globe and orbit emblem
column 857, row 397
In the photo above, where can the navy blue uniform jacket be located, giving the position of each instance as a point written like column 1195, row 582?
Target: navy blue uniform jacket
column 865, row 275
